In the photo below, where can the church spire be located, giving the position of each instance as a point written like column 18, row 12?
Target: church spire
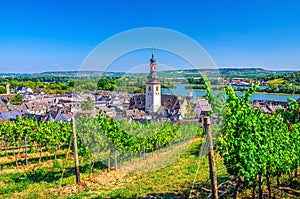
column 152, row 76
column 152, row 60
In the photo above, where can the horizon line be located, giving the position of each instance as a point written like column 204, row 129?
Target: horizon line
column 219, row 68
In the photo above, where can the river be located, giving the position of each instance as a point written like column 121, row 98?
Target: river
column 182, row 91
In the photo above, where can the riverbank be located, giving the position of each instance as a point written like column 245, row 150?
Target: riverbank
column 182, row 91
column 219, row 88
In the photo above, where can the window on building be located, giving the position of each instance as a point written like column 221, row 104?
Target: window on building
column 156, row 88
column 149, row 88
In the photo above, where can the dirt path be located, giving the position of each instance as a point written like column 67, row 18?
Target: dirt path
column 158, row 160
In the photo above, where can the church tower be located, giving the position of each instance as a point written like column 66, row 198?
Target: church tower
column 7, row 89
column 153, row 88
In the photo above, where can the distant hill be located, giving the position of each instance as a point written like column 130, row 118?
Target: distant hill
column 224, row 72
column 249, row 72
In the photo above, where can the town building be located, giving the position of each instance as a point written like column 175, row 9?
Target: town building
column 269, row 106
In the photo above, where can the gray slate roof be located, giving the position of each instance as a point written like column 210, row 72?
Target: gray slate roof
column 11, row 115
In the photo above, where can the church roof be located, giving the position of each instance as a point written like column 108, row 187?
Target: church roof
column 167, row 102
column 153, row 82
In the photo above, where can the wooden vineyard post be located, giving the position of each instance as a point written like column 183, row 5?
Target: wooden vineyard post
column 130, row 157
column 108, row 160
column 75, row 152
column 116, row 160
column 212, row 168
column 144, row 153
column 25, row 147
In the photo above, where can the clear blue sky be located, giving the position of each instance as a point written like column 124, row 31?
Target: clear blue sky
column 52, row 35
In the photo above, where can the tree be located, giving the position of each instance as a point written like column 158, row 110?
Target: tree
column 17, row 100
column 2, row 90
column 106, row 84
column 140, row 90
column 88, row 104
